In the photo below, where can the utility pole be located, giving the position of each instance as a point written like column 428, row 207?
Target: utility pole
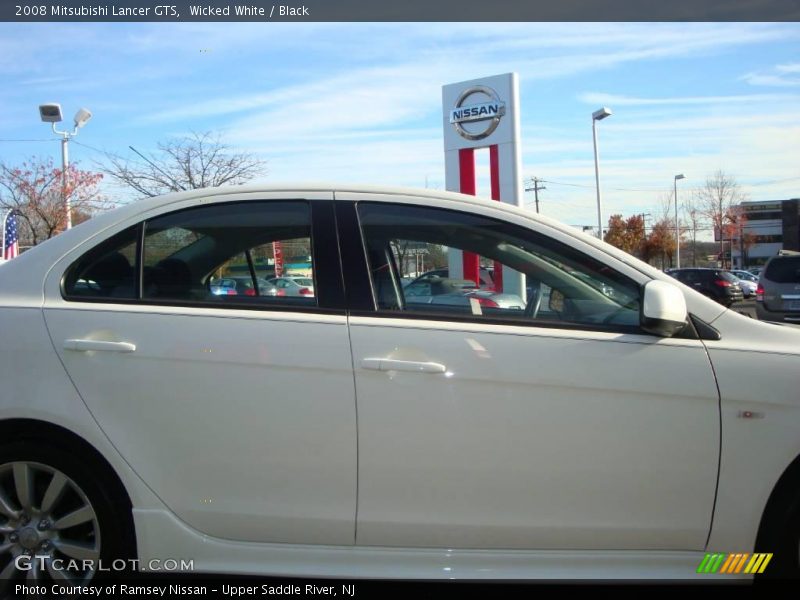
column 644, row 224
column 535, row 189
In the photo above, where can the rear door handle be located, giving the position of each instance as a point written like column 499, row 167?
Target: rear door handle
column 388, row 364
column 98, row 346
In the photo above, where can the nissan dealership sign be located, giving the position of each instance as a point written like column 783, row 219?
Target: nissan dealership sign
column 483, row 114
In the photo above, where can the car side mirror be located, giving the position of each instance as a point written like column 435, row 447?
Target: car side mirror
column 664, row 311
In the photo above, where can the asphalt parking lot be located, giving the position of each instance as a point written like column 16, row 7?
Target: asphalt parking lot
column 746, row 307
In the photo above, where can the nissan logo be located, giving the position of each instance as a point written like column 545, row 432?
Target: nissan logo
column 491, row 109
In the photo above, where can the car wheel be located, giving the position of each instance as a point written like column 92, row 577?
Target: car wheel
column 785, row 562
column 58, row 521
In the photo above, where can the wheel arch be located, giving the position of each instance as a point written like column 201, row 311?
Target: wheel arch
column 782, row 507
column 21, row 429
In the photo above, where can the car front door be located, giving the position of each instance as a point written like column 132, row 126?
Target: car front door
column 237, row 410
column 561, row 426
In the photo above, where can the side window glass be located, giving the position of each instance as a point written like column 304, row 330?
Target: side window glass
column 521, row 275
column 108, row 271
column 229, row 254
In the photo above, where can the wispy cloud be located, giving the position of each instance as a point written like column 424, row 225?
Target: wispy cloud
column 784, row 75
column 789, row 68
column 417, row 56
column 595, row 98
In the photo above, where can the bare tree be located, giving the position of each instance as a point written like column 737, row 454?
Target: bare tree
column 718, row 199
column 694, row 216
column 33, row 190
column 196, row 161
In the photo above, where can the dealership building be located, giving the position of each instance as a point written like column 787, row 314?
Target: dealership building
column 773, row 225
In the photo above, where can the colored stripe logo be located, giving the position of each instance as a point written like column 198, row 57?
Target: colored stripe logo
column 736, row 563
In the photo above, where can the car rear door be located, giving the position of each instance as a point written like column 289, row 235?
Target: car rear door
column 238, row 411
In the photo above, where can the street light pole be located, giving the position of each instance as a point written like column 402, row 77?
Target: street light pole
column 598, row 115
column 677, row 225
column 51, row 113
column 64, row 166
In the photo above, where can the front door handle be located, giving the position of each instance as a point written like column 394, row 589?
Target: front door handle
column 413, row 366
column 98, row 346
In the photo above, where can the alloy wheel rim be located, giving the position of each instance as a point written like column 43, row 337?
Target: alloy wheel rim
column 48, row 527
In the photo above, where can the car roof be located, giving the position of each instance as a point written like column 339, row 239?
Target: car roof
column 297, row 190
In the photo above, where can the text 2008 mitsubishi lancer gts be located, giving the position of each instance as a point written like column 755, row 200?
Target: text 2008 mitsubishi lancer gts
column 614, row 424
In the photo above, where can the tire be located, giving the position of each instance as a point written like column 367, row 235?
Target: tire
column 782, row 538
column 55, row 506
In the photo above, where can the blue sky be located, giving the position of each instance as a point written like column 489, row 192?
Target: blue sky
column 362, row 102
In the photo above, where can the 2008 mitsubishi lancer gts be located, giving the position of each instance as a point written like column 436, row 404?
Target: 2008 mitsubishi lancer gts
column 611, row 423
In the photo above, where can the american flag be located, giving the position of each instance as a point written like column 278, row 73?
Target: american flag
column 12, row 239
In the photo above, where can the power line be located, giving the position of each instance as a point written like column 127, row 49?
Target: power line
column 39, row 140
column 773, row 181
column 157, row 168
column 591, row 187
column 104, row 152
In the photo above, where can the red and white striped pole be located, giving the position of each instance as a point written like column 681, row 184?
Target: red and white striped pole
column 483, row 113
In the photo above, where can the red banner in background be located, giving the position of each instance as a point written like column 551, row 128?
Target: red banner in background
column 277, row 251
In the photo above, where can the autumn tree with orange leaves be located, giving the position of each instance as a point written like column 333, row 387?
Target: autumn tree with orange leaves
column 626, row 234
column 659, row 247
column 735, row 229
column 34, row 192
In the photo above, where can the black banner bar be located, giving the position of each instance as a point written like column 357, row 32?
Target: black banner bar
column 398, row 10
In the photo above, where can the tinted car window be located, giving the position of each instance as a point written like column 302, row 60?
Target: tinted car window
column 559, row 285
column 187, row 252
column 106, row 271
column 785, row 269
column 220, row 253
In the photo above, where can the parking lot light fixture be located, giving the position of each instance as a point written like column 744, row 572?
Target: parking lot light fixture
column 598, row 115
column 51, row 113
column 677, row 225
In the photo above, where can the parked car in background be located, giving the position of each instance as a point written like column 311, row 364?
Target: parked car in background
column 620, row 425
column 717, row 284
column 486, row 276
column 755, row 271
column 747, row 281
column 749, row 288
column 293, row 286
column 242, row 284
column 745, row 275
column 458, row 292
column 778, row 294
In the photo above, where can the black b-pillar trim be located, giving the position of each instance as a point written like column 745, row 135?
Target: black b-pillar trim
column 354, row 261
column 325, row 248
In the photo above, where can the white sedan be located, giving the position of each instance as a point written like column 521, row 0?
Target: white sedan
column 293, row 286
column 747, row 281
column 621, row 425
